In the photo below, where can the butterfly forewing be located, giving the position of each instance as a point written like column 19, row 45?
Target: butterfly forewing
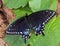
column 41, row 16
column 18, row 26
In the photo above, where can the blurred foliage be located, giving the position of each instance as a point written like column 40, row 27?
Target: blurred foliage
column 15, row 4
column 52, row 33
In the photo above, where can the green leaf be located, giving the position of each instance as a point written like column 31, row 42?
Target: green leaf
column 16, row 3
column 37, row 5
column 22, row 11
column 53, row 6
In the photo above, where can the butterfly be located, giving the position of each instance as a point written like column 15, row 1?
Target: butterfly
column 35, row 21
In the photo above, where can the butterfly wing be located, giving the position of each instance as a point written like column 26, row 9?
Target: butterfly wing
column 41, row 16
column 38, row 19
column 17, row 27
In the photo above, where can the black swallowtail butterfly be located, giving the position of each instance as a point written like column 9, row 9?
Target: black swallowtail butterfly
column 35, row 21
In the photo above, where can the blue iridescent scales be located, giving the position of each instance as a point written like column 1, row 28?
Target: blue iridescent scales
column 35, row 21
